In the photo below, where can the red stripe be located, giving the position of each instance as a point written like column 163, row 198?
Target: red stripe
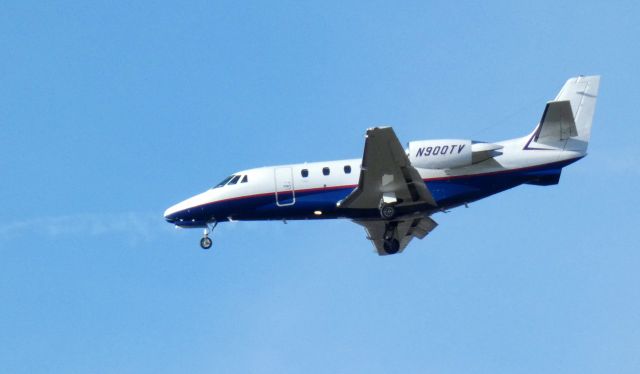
column 355, row 185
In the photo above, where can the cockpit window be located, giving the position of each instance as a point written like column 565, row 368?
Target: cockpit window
column 244, row 179
column 224, row 181
column 234, row 180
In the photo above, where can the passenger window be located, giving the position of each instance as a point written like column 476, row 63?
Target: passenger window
column 325, row 171
column 304, row 173
column 234, row 180
column 347, row 169
column 244, row 179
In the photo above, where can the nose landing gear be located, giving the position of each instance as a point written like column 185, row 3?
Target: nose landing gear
column 206, row 242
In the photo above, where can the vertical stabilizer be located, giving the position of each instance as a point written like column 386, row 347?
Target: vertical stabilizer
column 582, row 93
column 566, row 121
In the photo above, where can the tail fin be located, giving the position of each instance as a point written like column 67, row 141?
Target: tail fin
column 566, row 122
column 582, row 92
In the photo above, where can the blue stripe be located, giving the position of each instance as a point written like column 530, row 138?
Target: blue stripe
column 448, row 193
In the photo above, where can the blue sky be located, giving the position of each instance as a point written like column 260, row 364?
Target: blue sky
column 109, row 113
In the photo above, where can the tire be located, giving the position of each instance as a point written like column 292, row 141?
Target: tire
column 387, row 211
column 391, row 246
column 206, row 243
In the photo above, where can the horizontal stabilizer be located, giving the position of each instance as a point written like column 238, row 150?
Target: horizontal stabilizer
column 557, row 123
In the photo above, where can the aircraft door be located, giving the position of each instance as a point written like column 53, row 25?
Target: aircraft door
column 285, row 194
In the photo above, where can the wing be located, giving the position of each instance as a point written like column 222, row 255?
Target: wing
column 387, row 175
column 383, row 234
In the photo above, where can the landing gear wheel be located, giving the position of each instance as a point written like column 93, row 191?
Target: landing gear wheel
column 387, row 211
column 389, row 231
column 206, row 243
column 391, row 246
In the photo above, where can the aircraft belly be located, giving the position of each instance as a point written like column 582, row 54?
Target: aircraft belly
column 459, row 190
column 447, row 193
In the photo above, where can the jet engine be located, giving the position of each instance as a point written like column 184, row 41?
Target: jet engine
column 440, row 154
column 449, row 153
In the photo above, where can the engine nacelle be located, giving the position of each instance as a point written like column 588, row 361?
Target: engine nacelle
column 440, row 154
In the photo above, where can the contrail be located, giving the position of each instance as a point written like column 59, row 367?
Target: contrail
column 136, row 226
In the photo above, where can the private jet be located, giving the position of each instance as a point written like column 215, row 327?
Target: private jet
column 392, row 191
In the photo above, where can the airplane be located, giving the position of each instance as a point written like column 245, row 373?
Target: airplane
column 393, row 192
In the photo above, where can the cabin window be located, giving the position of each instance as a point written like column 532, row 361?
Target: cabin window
column 304, row 173
column 224, row 181
column 325, row 171
column 244, row 179
column 347, row 169
column 234, row 180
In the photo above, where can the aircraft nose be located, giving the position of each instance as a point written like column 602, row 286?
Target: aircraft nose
column 169, row 214
column 189, row 212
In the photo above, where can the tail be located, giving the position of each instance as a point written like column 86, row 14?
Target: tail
column 566, row 122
